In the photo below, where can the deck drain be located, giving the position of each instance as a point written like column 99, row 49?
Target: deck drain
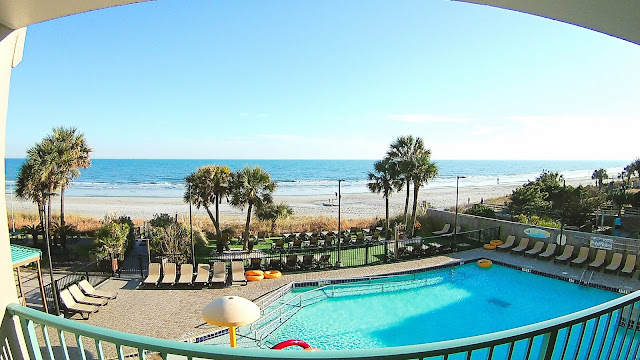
column 498, row 303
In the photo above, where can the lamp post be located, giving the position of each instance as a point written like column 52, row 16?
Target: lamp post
column 339, row 263
column 54, row 289
column 455, row 221
column 193, row 252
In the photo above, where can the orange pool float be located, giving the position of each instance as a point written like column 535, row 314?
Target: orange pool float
column 254, row 275
column 272, row 274
column 489, row 246
column 485, row 263
column 496, row 242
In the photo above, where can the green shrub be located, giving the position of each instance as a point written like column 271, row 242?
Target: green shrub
column 481, row 210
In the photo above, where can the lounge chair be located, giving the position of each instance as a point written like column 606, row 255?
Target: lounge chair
column 256, row 263
column 292, row 262
column 508, row 244
column 169, row 274
column 81, row 298
column 616, row 262
column 524, row 243
column 566, row 255
column 74, row 308
column 313, row 242
column 186, row 274
column 583, row 255
column 535, row 250
column 275, row 264
column 202, row 277
column 629, row 265
column 237, row 272
column 91, row 291
column 154, row 274
column 307, row 261
column 457, row 230
column 445, row 229
column 324, row 261
column 220, row 273
column 297, row 243
column 549, row 252
column 599, row 260
column 329, row 241
column 279, row 244
column 360, row 238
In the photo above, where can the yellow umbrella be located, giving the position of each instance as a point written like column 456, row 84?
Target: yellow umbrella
column 231, row 311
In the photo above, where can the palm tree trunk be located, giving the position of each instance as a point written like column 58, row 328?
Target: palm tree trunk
column 386, row 218
column 245, row 236
column 406, row 203
column 63, row 232
column 216, row 221
column 416, row 187
column 213, row 220
column 49, row 215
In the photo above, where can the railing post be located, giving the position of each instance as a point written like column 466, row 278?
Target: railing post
column 86, row 274
column 140, row 265
column 366, row 254
column 386, row 251
column 548, row 345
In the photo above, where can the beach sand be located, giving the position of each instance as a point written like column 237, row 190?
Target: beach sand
column 353, row 206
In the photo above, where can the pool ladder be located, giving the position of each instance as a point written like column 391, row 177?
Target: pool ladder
column 581, row 282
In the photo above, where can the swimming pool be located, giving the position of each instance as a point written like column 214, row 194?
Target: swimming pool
column 428, row 307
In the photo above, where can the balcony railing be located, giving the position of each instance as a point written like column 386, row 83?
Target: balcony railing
column 607, row 331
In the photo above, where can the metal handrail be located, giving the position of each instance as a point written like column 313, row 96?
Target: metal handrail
column 549, row 328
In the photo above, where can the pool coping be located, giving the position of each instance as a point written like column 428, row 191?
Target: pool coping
column 324, row 282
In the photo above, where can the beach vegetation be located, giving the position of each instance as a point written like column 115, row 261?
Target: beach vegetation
column 425, row 170
column 162, row 220
column 112, row 239
column 385, row 179
column 619, row 198
column 539, row 221
column 481, row 210
column 251, row 187
column 273, row 212
column 206, row 187
column 599, row 175
column 632, row 169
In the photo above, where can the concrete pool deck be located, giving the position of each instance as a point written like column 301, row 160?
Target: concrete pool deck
column 176, row 313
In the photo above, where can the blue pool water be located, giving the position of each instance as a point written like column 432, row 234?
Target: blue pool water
column 438, row 305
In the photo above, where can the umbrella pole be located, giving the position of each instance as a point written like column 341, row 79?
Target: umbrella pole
column 232, row 336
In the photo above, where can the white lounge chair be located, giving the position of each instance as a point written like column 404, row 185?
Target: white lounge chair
column 202, row 276
column 186, row 274
column 535, row 250
column 237, row 272
column 73, row 307
column 91, row 291
column 445, row 229
column 549, row 252
column 219, row 273
column 154, row 274
column 599, row 260
column 566, row 255
column 616, row 262
column 81, row 298
column 508, row 244
column 524, row 243
column 629, row 265
column 169, row 273
column 583, row 255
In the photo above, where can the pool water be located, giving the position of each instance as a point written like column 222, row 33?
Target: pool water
column 433, row 306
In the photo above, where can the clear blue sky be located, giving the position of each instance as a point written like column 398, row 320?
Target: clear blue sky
column 326, row 79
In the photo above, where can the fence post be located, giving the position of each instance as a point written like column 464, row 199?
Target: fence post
column 386, row 251
column 55, row 294
column 86, row 274
column 366, row 254
column 140, row 265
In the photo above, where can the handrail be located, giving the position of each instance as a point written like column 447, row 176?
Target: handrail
column 400, row 352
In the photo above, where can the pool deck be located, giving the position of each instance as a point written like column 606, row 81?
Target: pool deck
column 176, row 313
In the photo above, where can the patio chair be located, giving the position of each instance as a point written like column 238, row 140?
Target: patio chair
column 535, row 250
column 445, row 229
column 313, row 242
column 169, row 274
column 186, row 274
column 375, row 236
column 524, row 243
column 458, row 230
column 508, row 244
column 360, row 238
column 297, row 243
column 275, row 264
column 629, row 265
column 81, row 298
column 616, row 262
column 237, row 272
column 549, row 252
column 583, row 255
column 202, row 277
column 279, row 244
column 307, row 261
column 354, row 230
column 324, row 261
column 256, row 264
column 292, row 262
column 329, row 241
column 154, row 274
column 566, row 255
column 91, row 291
column 72, row 307
column 220, row 273
column 598, row 262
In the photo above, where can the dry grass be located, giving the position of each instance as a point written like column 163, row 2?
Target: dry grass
column 82, row 223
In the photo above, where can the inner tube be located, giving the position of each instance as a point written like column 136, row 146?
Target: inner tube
column 292, row 342
column 272, row 274
column 254, row 273
column 485, row 263
column 496, row 242
column 254, row 277
column 489, row 246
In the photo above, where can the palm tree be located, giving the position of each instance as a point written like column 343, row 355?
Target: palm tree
column 385, row 180
column 251, row 186
column 424, row 171
column 209, row 184
column 632, row 168
column 273, row 213
column 29, row 187
column 70, row 154
column 599, row 175
column 403, row 151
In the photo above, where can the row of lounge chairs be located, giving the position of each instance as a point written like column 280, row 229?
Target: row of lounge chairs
column 567, row 255
column 82, row 298
column 329, row 241
column 445, row 230
column 169, row 276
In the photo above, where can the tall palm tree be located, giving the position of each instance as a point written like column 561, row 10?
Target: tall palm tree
column 209, row 184
column 30, row 187
column 253, row 187
column 403, row 152
column 599, row 175
column 424, row 171
column 632, row 168
column 70, row 154
column 385, row 180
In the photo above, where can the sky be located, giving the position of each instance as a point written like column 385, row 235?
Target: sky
column 326, row 80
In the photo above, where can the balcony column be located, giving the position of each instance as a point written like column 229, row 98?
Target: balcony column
column 11, row 46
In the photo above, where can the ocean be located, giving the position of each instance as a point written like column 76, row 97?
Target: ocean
column 165, row 178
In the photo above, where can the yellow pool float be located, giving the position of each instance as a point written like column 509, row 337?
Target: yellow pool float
column 485, row 263
column 489, row 246
column 272, row 274
column 496, row 242
column 254, row 275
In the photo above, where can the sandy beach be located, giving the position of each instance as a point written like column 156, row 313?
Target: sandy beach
column 353, row 206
